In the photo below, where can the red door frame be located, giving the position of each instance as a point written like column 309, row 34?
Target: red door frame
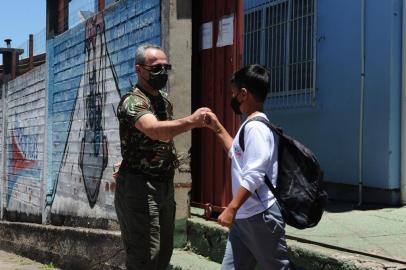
column 212, row 69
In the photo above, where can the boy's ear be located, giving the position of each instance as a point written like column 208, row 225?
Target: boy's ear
column 244, row 91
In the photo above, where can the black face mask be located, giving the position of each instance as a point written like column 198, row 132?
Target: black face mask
column 158, row 80
column 235, row 105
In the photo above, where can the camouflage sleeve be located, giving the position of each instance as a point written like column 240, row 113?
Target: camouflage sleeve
column 134, row 107
column 168, row 105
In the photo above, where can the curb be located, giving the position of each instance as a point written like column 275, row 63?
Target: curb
column 208, row 239
column 66, row 247
column 310, row 256
column 81, row 248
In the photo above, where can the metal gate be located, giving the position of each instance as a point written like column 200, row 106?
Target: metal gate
column 217, row 53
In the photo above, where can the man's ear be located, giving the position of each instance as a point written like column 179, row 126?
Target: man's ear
column 137, row 68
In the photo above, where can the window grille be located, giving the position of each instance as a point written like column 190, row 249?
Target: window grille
column 280, row 34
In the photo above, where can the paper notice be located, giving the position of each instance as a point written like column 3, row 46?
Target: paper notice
column 226, row 31
column 206, row 34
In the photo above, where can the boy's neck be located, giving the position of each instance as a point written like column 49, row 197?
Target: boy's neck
column 251, row 112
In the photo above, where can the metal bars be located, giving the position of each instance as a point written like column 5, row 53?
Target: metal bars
column 39, row 44
column 281, row 35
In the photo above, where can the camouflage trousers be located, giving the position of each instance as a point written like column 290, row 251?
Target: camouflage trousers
column 146, row 212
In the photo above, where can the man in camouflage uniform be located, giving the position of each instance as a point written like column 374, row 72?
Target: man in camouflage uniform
column 144, row 198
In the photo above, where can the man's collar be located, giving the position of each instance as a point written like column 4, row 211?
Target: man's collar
column 147, row 93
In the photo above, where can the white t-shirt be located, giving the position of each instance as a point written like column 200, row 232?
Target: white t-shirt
column 248, row 168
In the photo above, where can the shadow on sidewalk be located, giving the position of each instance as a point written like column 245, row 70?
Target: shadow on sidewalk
column 335, row 206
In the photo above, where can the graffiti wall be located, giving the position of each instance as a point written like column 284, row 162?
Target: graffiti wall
column 25, row 143
column 89, row 68
column 2, row 184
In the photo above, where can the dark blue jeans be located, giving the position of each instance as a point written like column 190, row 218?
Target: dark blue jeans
column 146, row 212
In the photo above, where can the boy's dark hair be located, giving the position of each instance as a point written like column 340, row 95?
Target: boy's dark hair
column 255, row 78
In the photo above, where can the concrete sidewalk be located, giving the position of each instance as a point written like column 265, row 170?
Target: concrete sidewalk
column 11, row 261
column 378, row 233
column 345, row 238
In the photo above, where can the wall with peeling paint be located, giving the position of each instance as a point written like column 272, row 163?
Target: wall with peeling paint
column 90, row 67
column 24, row 155
column 62, row 134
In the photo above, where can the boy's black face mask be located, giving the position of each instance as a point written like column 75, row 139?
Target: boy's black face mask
column 235, row 105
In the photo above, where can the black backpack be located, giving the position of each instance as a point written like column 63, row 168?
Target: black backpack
column 298, row 189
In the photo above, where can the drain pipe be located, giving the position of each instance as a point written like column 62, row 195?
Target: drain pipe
column 403, row 112
column 361, row 113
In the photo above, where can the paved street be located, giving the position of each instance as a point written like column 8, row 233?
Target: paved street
column 10, row 261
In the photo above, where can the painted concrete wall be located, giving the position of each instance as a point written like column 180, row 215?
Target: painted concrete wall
column 62, row 132
column 331, row 128
column 25, row 107
column 90, row 67
column 176, row 40
column 2, row 182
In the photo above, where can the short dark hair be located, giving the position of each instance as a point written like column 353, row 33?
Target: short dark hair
column 255, row 78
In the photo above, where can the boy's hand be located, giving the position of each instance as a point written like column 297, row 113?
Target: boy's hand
column 212, row 121
column 227, row 217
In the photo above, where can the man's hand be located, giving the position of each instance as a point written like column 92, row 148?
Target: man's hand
column 227, row 217
column 116, row 168
column 199, row 116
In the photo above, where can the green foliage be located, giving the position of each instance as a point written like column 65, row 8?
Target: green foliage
column 49, row 265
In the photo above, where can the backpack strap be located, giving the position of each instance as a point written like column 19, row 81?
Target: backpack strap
column 273, row 129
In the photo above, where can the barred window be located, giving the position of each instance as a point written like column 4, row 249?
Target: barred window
column 280, row 34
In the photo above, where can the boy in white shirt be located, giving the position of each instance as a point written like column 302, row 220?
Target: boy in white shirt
column 257, row 234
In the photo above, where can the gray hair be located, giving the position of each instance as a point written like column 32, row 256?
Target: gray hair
column 140, row 53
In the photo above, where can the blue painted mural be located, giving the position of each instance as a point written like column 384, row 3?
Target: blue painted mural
column 88, row 119
column 90, row 67
column 25, row 149
column 22, row 158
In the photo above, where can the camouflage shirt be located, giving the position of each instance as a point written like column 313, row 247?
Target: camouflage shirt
column 139, row 152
